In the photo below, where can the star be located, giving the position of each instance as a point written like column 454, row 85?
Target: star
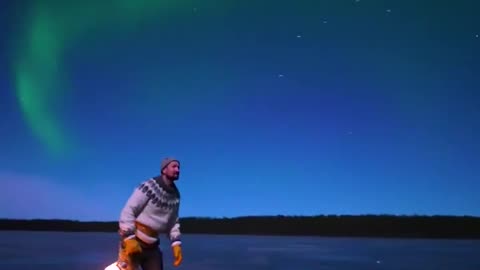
column 299, row 36
column 389, row 10
column 280, row 75
column 476, row 35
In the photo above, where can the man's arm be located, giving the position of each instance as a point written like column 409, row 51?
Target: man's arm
column 174, row 233
column 132, row 209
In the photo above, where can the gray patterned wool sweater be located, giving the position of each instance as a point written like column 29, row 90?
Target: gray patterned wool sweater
column 156, row 205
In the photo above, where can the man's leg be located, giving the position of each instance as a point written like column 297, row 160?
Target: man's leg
column 152, row 259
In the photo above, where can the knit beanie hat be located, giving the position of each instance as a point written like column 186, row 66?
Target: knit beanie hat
column 167, row 161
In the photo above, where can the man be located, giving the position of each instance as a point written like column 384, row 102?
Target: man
column 151, row 210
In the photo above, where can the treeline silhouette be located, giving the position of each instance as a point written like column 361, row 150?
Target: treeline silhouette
column 466, row 227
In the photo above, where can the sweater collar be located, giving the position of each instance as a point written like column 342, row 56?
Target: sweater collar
column 170, row 189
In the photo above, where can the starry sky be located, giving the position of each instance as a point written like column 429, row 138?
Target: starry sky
column 293, row 108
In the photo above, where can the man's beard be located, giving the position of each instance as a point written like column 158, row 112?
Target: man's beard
column 173, row 177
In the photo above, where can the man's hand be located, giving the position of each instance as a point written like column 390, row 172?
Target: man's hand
column 177, row 255
column 132, row 246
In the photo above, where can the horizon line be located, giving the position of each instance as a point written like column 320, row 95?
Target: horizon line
column 260, row 216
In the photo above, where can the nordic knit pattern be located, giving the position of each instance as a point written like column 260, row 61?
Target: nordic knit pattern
column 156, row 205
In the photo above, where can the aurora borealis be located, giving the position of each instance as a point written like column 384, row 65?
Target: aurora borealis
column 49, row 30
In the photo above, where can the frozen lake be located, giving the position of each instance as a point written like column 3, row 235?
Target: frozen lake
column 66, row 251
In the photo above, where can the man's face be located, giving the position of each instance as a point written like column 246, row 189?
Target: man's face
column 172, row 171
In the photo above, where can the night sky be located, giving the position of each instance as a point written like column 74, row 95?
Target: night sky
column 294, row 108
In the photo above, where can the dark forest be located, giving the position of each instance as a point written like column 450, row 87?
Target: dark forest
column 466, row 227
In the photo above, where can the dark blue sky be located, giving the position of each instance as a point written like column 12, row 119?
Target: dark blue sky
column 317, row 107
